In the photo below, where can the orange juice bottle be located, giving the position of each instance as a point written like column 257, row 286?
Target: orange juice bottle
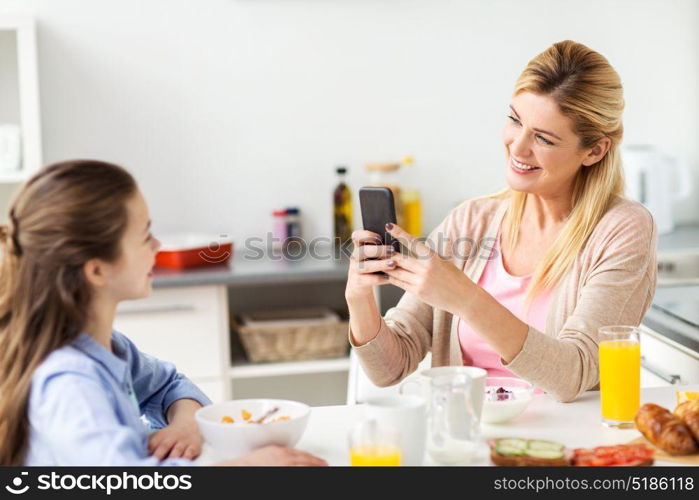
column 620, row 377
column 412, row 208
column 412, row 203
column 375, row 455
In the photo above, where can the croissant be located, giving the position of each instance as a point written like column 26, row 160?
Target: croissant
column 689, row 413
column 665, row 430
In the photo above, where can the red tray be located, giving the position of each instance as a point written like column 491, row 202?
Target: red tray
column 187, row 251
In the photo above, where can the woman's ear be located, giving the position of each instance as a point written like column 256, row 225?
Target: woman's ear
column 597, row 152
column 93, row 270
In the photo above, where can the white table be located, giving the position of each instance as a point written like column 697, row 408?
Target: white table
column 574, row 424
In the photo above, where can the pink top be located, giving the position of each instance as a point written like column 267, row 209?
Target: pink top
column 510, row 291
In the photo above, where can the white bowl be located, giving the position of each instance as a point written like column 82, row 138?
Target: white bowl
column 240, row 438
column 512, row 405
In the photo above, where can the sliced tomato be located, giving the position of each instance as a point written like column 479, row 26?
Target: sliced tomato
column 618, row 455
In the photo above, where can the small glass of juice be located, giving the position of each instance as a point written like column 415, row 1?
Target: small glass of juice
column 619, row 374
column 375, row 445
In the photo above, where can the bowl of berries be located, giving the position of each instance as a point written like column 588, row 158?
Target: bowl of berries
column 505, row 399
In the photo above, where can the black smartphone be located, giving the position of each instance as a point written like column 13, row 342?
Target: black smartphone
column 378, row 209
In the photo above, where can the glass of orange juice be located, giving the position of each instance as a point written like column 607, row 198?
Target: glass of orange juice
column 619, row 374
column 372, row 444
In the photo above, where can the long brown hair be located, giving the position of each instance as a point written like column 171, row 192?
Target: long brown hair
column 67, row 214
column 588, row 90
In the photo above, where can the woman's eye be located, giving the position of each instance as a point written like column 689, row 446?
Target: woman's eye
column 544, row 140
column 513, row 119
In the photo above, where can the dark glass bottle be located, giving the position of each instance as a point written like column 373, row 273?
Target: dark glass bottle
column 342, row 206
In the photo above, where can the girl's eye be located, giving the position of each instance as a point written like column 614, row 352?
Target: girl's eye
column 514, row 120
column 544, row 140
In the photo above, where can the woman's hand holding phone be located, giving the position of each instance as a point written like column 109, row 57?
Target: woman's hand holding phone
column 368, row 258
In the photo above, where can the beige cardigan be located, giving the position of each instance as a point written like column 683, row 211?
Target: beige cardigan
column 612, row 282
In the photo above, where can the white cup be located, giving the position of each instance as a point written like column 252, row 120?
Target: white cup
column 408, row 414
column 424, row 378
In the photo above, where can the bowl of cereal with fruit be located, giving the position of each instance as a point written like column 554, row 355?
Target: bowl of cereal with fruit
column 505, row 399
column 235, row 428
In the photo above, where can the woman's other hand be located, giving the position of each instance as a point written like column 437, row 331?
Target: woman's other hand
column 431, row 278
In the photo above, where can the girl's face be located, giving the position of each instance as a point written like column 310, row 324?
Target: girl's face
column 131, row 276
column 538, row 135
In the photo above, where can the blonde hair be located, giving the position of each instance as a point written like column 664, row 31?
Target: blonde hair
column 589, row 92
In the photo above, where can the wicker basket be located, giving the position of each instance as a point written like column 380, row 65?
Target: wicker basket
column 293, row 335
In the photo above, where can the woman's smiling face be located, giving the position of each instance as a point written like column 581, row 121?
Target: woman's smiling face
column 538, row 135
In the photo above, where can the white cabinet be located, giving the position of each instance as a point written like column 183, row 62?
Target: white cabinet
column 187, row 326
column 666, row 361
column 649, row 379
column 20, row 130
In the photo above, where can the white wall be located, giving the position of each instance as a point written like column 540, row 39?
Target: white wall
column 226, row 109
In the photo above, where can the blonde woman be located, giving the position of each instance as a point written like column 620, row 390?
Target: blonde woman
column 520, row 281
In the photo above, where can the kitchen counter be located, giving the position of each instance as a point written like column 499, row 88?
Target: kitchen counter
column 574, row 424
column 683, row 237
column 251, row 269
column 674, row 312
column 324, row 264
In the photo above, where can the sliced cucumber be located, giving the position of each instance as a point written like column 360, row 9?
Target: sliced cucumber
column 535, row 448
column 536, row 445
column 520, row 444
column 547, row 454
column 509, row 451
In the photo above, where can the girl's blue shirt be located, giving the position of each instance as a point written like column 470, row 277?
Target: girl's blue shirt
column 90, row 406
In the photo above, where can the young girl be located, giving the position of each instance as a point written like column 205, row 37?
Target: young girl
column 72, row 390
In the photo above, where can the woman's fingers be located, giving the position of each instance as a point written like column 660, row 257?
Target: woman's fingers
column 373, row 266
column 393, row 280
column 369, row 280
column 409, row 241
column 364, row 237
column 411, row 264
column 373, row 251
column 403, row 275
